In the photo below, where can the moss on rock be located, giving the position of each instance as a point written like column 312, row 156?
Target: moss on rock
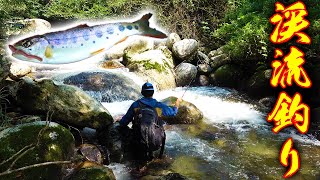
column 52, row 143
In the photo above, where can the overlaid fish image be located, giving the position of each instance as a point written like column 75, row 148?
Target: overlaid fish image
column 80, row 42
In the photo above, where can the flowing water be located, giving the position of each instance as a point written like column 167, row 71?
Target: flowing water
column 233, row 141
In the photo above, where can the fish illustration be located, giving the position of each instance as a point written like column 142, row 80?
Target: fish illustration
column 80, row 42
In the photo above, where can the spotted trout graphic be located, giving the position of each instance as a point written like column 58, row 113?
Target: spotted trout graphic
column 80, row 42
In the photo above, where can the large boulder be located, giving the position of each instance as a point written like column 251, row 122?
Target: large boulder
column 185, row 73
column 185, row 49
column 41, row 143
column 105, row 86
column 67, row 103
column 188, row 113
column 136, row 47
column 228, row 75
column 155, row 66
column 172, row 38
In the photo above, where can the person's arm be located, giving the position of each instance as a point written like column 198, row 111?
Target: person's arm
column 169, row 111
column 128, row 117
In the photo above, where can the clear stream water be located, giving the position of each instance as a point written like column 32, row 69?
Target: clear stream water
column 233, row 142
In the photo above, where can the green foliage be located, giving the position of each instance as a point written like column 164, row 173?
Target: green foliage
column 21, row 8
column 245, row 30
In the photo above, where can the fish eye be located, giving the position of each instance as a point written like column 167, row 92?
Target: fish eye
column 27, row 43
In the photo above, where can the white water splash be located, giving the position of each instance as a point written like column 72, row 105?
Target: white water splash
column 216, row 109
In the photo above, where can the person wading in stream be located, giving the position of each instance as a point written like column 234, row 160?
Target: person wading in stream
column 147, row 134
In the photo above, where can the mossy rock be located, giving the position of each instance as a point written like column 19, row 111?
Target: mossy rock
column 188, row 113
column 228, row 75
column 92, row 171
column 53, row 143
column 188, row 166
column 153, row 66
column 69, row 103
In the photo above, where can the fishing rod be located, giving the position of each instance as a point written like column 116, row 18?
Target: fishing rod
column 188, row 86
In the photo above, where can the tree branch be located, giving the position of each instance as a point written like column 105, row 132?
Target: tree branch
column 33, row 166
column 13, row 156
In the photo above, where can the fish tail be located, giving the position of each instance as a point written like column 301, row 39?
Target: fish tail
column 146, row 30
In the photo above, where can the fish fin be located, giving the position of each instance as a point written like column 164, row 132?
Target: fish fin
column 48, row 52
column 143, row 23
column 123, row 39
column 97, row 52
column 80, row 26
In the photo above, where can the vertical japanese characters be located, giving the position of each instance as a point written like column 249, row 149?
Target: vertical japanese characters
column 290, row 111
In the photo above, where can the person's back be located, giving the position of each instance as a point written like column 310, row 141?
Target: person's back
column 145, row 115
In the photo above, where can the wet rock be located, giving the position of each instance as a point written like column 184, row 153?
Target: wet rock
column 185, row 73
column 136, row 47
column 188, row 113
column 92, row 171
column 111, row 64
column 21, row 27
column 258, row 84
column 268, row 102
column 91, row 153
column 172, row 38
column 105, row 86
column 69, row 104
column 228, row 75
column 202, row 58
column 219, row 60
column 4, row 68
column 216, row 52
column 47, row 143
column 174, row 176
column 212, row 79
column 204, row 69
column 204, row 80
column 19, row 70
column 185, row 49
column 153, row 66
